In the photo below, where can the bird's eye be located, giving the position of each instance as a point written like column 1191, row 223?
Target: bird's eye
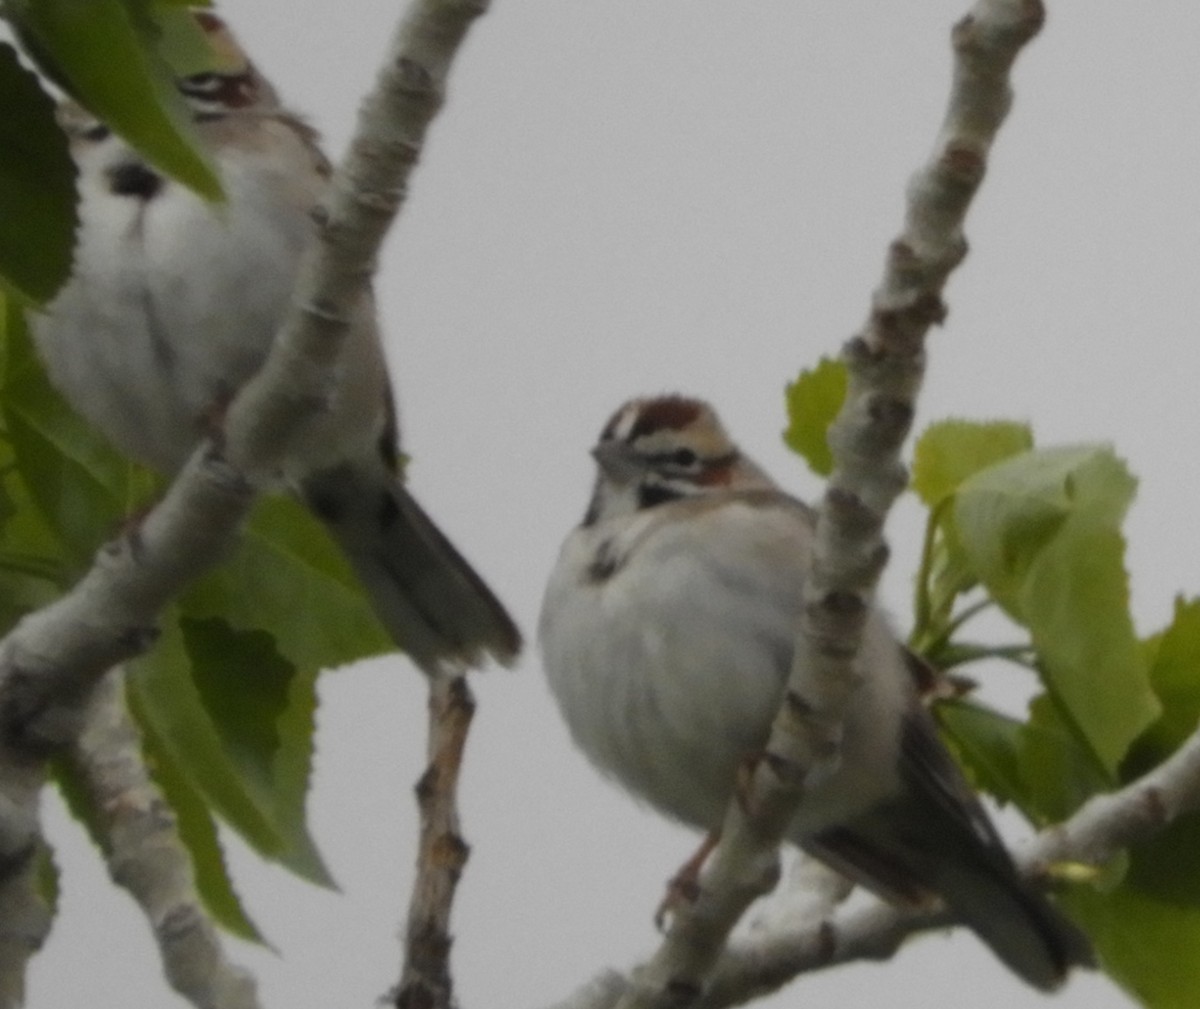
column 684, row 457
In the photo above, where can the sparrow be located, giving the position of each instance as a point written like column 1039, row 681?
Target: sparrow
column 667, row 634
column 173, row 304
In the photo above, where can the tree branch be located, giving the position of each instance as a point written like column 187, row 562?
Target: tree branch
column 886, row 365
column 145, row 855
column 363, row 199
column 25, row 916
column 52, row 660
column 426, row 981
column 804, row 933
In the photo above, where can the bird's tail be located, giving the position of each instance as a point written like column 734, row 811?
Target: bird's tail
column 424, row 592
column 914, row 863
column 1022, row 927
column 934, row 839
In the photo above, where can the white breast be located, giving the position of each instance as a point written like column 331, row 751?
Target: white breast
column 174, row 302
column 670, row 670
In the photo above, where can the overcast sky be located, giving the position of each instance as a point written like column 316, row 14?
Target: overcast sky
column 628, row 197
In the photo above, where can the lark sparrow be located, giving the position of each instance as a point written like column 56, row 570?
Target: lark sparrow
column 173, row 304
column 667, row 634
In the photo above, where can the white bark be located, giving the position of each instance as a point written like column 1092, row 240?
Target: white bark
column 146, row 857
column 803, row 930
column 51, row 662
column 886, row 363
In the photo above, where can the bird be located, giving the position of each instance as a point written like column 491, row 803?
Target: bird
column 667, row 634
column 173, row 304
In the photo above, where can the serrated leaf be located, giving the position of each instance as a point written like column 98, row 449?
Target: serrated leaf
column 1004, row 515
column 288, row 578
column 262, row 708
column 37, row 186
column 813, row 401
column 33, row 567
column 131, row 88
column 167, row 704
column 1174, row 662
column 243, row 684
column 195, row 827
column 199, row 835
column 1042, row 532
column 81, row 486
column 1076, row 605
column 950, row 451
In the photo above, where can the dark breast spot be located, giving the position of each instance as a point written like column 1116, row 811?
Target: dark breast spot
column 136, row 180
column 604, row 563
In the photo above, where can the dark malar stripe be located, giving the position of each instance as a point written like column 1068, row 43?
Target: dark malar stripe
column 650, row 495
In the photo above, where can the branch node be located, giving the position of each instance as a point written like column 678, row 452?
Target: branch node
column 414, row 80
column 964, row 164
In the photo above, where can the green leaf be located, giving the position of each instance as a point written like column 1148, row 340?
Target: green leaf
column 37, row 186
column 132, row 88
column 262, row 708
column 1038, row 766
column 1042, row 532
column 988, row 745
column 950, row 451
column 80, row 485
column 813, row 401
column 198, row 832
column 284, row 571
column 182, row 43
column 1146, row 945
column 1174, row 661
column 168, row 705
column 1145, row 930
column 947, row 454
column 1166, row 867
column 1003, row 516
column 33, row 567
column 1058, row 770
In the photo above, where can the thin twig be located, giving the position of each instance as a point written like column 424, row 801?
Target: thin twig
column 426, row 981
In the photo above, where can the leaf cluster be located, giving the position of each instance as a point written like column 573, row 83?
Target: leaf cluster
column 225, row 700
column 1035, row 533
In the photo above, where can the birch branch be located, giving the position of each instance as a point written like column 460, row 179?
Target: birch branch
column 25, row 916
column 146, row 856
column 805, row 933
column 425, row 980
column 53, row 659
column 886, row 365
column 363, row 199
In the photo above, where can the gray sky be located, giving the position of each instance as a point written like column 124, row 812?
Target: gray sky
column 625, row 197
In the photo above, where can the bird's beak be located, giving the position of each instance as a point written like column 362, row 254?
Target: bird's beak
column 617, row 461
